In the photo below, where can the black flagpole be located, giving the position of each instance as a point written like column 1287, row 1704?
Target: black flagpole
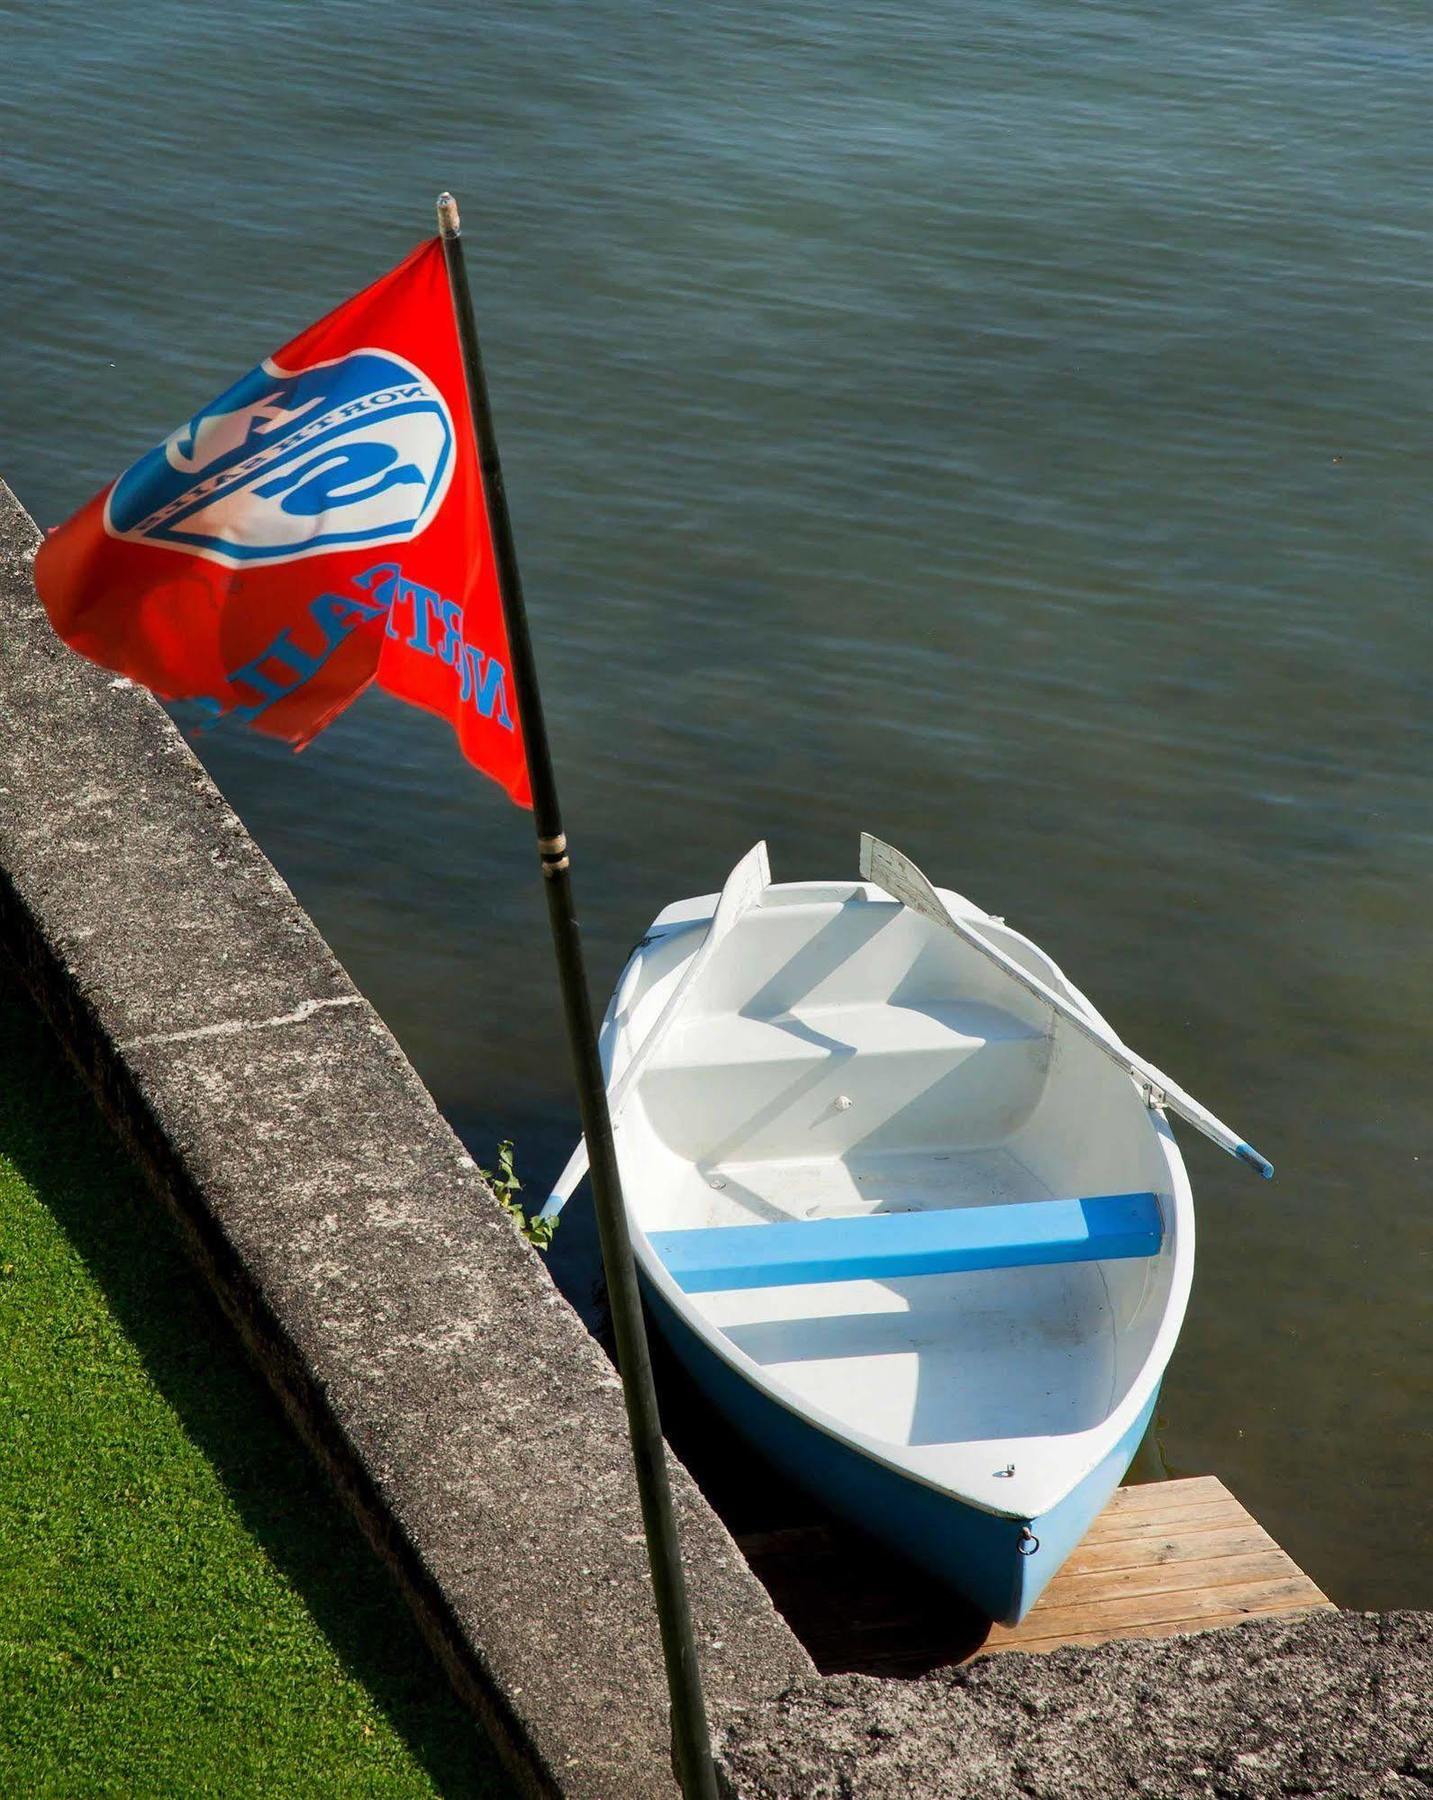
column 690, row 1740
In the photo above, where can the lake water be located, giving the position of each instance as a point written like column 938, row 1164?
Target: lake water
column 1006, row 430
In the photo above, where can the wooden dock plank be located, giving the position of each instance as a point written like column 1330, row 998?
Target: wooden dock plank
column 1186, row 1520
column 1165, row 1628
column 1195, row 1513
column 1150, row 1551
column 1172, row 1576
column 1111, row 1612
column 1155, row 1496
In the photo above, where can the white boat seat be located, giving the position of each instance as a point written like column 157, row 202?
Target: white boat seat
column 879, row 1246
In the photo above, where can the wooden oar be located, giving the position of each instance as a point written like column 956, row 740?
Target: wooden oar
column 903, row 881
column 745, row 885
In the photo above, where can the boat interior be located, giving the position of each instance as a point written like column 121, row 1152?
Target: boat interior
column 919, row 1202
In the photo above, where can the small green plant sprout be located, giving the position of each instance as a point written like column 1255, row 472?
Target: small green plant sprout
column 507, row 1187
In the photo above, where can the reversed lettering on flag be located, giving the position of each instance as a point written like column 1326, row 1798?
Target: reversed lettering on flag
column 417, row 618
column 233, row 565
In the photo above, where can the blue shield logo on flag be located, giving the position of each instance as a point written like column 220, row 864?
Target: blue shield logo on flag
column 288, row 464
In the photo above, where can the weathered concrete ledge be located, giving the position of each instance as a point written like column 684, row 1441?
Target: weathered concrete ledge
column 416, row 1341
column 1321, row 1704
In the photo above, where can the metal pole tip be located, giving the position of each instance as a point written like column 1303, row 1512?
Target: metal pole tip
column 449, row 224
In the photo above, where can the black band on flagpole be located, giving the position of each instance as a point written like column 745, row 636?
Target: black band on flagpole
column 691, row 1743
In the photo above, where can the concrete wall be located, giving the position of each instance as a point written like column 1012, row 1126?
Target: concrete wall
column 417, row 1343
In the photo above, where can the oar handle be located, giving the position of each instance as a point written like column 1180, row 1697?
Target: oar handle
column 567, row 1182
column 1174, row 1099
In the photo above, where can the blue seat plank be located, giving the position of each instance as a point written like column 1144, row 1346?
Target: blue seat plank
column 878, row 1246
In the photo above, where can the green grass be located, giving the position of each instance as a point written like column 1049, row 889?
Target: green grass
column 184, row 1607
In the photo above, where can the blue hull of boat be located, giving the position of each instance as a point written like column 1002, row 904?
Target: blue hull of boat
column 976, row 1553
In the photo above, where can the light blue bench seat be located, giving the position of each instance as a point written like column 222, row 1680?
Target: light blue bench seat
column 878, row 1246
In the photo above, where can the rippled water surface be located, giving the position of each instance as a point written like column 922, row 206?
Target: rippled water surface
column 1006, row 429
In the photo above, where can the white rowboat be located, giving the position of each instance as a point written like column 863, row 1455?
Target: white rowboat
column 905, row 1207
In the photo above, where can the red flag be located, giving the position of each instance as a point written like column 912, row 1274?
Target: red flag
column 319, row 526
